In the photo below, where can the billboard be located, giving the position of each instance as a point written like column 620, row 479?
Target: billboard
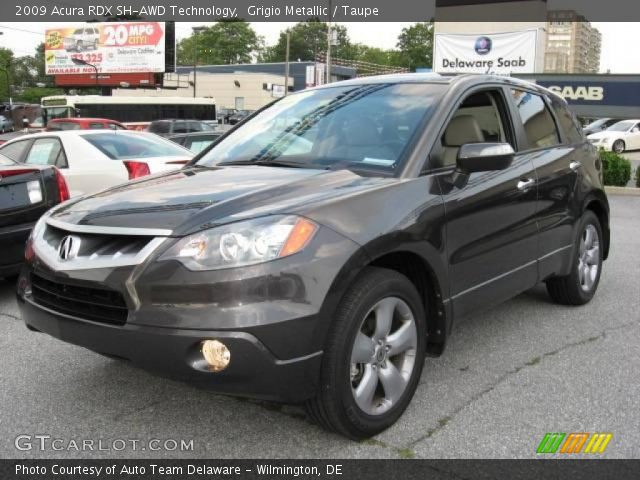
column 130, row 47
column 500, row 53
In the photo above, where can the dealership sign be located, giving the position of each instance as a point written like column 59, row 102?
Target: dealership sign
column 132, row 47
column 501, row 53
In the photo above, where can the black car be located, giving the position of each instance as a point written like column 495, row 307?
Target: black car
column 195, row 141
column 319, row 251
column 238, row 116
column 26, row 192
column 174, row 126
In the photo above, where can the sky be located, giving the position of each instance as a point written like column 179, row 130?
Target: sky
column 617, row 38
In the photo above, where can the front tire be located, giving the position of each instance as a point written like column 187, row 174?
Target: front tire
column 618, row 146
column 581, row 284
column 373, row 357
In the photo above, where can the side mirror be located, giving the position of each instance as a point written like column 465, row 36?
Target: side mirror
column 484, row 157
column 635, row 130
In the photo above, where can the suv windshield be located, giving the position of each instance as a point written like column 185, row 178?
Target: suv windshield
column 356, row 126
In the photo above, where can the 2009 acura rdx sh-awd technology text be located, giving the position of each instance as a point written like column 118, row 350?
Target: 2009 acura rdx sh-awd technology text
column 319, row 251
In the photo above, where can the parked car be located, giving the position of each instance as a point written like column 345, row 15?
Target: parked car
column 6, row 124
column 223, row 115
column 25, row 194
column 92, row 160
column 58, row 124
column 238, row 116
column 599, row 125
column 86, row 38
column 326, row 276
column 170, row 127
column 621, row 136
column 195, row 141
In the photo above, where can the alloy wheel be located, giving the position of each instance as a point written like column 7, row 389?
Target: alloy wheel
column 618, row 146
column 383, row 356
column 588, row 258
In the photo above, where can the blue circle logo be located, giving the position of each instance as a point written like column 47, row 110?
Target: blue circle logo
column 483, row 45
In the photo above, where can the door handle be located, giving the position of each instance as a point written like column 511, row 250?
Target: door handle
column 525, row 184
column 575, row 165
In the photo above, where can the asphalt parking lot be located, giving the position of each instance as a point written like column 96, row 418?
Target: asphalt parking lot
column 508, row 376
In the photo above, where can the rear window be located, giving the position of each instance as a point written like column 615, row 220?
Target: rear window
column 122, row 147
column 159, row 127
column 54, row 126
column 4, row 161
column 15, row 150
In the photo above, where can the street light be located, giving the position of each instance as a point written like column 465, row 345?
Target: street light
column 196, row 31
column 79, row 61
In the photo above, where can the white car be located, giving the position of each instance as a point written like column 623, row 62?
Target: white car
column 93, row 160
column 621, row 136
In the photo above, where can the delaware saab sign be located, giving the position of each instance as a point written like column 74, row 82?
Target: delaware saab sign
column 502, row 53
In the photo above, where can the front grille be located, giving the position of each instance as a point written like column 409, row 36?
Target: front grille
column 97, row 304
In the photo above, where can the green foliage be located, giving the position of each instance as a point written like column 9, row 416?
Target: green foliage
column 365, row 53
column 617, row 169
column 6, row 63
column 307, row 41
column 226, row 42
column 638, row 177
column 415, row 44
column 34, row 94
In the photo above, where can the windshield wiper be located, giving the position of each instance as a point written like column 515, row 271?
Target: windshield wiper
column 268, row 163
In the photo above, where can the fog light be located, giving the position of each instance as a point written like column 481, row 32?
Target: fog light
column 216, row 354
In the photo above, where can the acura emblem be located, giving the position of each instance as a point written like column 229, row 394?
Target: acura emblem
column 68, row 248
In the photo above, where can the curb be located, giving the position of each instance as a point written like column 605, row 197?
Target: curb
column 622, row 191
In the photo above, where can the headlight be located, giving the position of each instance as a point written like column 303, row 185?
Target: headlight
column 243, row 243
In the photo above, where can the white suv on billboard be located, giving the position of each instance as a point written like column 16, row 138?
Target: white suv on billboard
column 82, row 39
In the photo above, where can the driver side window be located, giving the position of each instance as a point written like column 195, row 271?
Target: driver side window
column 478, row 119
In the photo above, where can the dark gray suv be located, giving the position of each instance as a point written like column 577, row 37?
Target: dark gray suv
column 319, row 251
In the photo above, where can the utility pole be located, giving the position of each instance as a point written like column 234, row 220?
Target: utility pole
column 196, row 31
column 286, row 65
column 329, row 45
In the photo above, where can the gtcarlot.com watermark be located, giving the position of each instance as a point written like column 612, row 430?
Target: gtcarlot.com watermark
column 45, row 443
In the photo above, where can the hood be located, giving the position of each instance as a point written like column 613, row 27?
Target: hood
column 194, row 198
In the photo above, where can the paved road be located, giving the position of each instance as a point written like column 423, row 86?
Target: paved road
column 509, row 375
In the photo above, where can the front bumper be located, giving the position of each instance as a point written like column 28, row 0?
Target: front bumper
column 273, row 317
column 253, row 370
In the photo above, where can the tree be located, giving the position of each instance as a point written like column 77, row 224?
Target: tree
column 416, row 45
column 226, row 42
column 365, row 53
column 6, row 65
column 308, row 40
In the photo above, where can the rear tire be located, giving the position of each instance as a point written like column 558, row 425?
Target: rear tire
column 581, row 284
column 370, row 372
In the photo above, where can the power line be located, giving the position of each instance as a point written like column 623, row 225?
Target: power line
column 40, row 34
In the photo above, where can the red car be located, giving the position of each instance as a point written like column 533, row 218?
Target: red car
column 58, row 124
